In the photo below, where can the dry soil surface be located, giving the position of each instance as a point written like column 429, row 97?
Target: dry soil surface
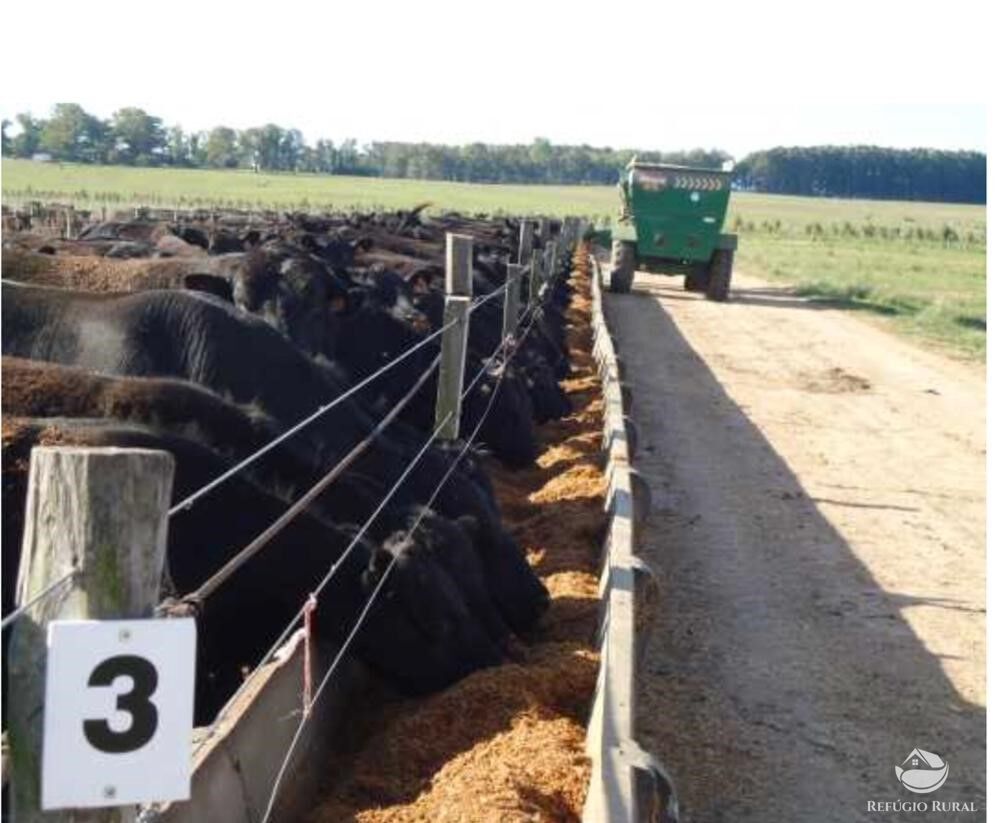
column 819, row 524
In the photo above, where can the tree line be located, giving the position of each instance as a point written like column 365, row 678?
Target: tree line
column 866, row 171
column 131, row 136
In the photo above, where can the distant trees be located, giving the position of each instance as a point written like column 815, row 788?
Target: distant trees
column 73, row 134
column 138, row 138
column 867, row 171
column 221, row 148
column 132, row 136
column 178, row 147
column 25, row 144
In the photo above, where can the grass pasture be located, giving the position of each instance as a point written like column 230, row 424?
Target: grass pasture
column 112, row 186
column 919, row 268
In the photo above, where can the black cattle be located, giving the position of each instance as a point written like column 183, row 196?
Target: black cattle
column 434, row 621
column 201, row 339
column 293, row 291
column 538, row 393
column 383, row 322
column 34, row 388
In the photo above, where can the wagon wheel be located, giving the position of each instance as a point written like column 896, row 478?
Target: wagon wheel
column 720, row 274
column 622, row 266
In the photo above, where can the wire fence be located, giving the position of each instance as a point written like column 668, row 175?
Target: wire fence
column 290, row 627
column 38, row 598
column 245, row 554
column 425, row 509
column 499, row 361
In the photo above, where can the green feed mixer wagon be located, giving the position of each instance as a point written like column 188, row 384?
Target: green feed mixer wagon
column 671, row 223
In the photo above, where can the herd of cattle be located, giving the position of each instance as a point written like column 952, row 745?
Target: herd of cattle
column 208, row 338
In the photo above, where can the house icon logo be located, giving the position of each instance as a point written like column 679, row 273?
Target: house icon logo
column 922, row 772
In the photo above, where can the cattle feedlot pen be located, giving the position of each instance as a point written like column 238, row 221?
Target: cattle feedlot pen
column 486, row 297
column 489, row 362
column 189, row 501
column 254, row 546
column 307, row 713
column 286, row 633
column 230, row 567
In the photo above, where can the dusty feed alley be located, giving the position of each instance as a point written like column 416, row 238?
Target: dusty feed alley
column 506, row 743
column 819, row 524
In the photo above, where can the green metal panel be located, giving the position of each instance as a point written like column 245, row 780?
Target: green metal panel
column 677, row 211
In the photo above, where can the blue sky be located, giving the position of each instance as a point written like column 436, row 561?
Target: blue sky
column 737, row 76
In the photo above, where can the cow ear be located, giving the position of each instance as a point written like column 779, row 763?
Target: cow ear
column 210, row 284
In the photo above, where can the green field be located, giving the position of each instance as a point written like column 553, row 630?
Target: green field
column 919, row 268
column 198, row 188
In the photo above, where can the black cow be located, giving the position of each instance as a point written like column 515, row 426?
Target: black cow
column 201, row 339
column 433, row 623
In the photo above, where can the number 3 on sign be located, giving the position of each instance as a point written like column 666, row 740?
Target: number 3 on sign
column 119, row 700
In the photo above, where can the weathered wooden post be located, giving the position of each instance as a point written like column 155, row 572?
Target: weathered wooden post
column 512, row 299
column 537, row 268
column 569, row 234
column 544, row 230
column 101, row 513
column 458, row 291
column 526, row 242
column 551, row 259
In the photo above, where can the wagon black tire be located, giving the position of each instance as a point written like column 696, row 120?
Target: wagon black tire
column 720, row 275
column 696, row 281
column 622, row 266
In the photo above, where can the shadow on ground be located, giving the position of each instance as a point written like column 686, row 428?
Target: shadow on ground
column 781, row 681
column 815, row 296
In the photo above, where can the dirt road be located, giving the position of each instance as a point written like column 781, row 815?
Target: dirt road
column 819, row 524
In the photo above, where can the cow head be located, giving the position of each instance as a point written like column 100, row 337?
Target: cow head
column 508, row 427
column 516, row 591
column 292, row 291
column 421, row 631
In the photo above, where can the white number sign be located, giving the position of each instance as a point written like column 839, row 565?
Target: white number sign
column 119, row 704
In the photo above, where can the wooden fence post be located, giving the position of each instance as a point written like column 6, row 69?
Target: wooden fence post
column 551, row 255
column 102, row 512
column 544, row 229
column 458, row 288
column 569, row 234
column 512, row 299
column 535, row 287
column 458, row 264
column 526, row 242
